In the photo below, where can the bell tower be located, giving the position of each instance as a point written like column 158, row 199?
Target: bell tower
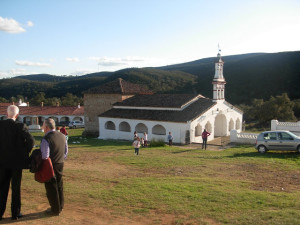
column 219, row 81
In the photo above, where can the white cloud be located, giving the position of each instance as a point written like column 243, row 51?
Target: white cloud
column 75, row 59
column 80, row 72
column 30, row 24
column 95, row 58
column 109, row 62
column 133, row 59
column 28, row 63
column 4, row 74
column 13, row 72
column 10, row 26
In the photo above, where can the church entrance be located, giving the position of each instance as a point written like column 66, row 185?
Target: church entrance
column 220, row 128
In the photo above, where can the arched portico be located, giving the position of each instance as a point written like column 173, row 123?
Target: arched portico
column 231, row 125
column 198, row 130
column 78, row 118
column 238, row 124
column 41, row 120
column 141, row 128
column 208, row 127
column 159, row 130
column 109, row 125
column 124, row 127
column 27, row 120
column 64, row 120
column 220, row 128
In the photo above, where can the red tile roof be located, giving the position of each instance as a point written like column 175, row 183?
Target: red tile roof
column 5, row 104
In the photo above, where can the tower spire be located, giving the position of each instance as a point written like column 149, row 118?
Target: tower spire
column 219, row 81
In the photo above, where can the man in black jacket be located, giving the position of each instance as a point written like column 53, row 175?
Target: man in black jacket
column 15, row 145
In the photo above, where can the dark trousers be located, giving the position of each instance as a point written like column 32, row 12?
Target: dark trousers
column 204, row 143
column 136, row 150
column 14, row 176
column 54, row 189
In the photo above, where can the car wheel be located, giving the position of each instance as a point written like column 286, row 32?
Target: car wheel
column 262, row 149
column 298, row 149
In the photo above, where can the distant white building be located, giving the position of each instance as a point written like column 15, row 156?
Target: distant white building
column 184, row 115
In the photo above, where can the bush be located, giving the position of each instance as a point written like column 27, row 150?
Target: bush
column 157, row 143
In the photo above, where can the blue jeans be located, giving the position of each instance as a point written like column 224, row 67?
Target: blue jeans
column 136, row 150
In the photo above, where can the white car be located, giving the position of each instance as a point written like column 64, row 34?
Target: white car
column 277, row 140
column 76, row 124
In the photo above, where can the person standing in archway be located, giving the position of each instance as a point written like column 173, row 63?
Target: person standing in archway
column 205, row 134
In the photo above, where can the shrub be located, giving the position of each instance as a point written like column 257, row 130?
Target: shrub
column 157, row 143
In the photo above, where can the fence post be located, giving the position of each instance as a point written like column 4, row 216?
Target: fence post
column 274, row 124
column 233, row 135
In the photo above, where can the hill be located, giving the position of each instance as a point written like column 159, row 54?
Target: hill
column 248, row 76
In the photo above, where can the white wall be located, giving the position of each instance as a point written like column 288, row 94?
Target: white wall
column 243, row 138
column 210, row 116
column 178, row 130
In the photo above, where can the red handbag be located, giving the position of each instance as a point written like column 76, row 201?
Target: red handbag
column 46, row 172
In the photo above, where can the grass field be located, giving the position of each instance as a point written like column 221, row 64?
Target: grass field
column 105, row 183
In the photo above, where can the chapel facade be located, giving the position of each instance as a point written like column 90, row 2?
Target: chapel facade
column 184, row 115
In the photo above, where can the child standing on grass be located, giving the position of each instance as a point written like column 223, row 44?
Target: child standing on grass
column 142, row 142
column 170, row 139
column 136, row 144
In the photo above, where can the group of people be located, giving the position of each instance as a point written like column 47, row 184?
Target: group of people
column 138, row 142
column 16, row 144
column 143, row 141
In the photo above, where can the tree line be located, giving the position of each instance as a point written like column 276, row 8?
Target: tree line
column 260, row 113
column 67, row 100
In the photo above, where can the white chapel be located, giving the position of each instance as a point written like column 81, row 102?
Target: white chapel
column 184, row 115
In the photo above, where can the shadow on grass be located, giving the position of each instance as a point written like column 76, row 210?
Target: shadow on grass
column 188, row 150
column 278, row 155
column 26, row 217
column 94, row 142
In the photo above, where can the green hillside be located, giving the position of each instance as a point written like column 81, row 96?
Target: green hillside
column 248, row 76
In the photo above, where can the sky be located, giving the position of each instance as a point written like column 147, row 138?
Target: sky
column 77, row 37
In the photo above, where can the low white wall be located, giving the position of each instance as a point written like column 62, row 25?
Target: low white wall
column 243, row 138
column 290, row 126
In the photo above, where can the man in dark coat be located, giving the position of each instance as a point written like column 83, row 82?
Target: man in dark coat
column 55, row 146
column 15, row 145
